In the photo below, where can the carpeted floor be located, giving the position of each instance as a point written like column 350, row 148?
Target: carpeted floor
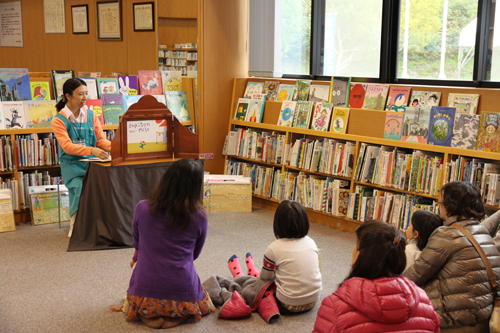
column 43, row 288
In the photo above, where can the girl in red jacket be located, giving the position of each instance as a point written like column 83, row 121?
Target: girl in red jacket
column 375, row 297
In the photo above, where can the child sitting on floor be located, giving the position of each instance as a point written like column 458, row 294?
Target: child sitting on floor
column 291, row 261
column 422, row 225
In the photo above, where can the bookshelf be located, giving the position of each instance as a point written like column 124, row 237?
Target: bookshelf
column 183, row 60
column 364, row 127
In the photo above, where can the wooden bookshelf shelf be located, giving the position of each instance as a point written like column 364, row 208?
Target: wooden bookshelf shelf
column 318, row 173
column 393, row 189
column 257, row 161
column 31, row 168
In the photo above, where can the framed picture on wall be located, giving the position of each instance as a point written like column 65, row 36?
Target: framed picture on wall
column 80, row 19
column 109, row 20
column 144, row 18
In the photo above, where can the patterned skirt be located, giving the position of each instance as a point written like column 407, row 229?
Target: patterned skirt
column 153, row 307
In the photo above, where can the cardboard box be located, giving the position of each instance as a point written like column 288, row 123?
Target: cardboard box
column 44, row 202
column 6, row 212
column 223, row 193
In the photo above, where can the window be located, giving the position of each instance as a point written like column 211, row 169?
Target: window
column 437, row 39
column 296, row 37
column 493, row 56
column 352, row 38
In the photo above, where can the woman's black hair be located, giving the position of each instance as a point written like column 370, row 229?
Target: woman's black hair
column 68, row 87
column 425, row 223
column 290, row 220
column 381, row 251
column 179, row 193
column 462, row 199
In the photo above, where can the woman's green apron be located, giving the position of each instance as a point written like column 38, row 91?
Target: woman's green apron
column 72, row 169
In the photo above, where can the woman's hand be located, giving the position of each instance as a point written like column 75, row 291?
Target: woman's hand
column 99, row 153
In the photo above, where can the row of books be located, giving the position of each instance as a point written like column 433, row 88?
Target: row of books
column 444, row 126
column 13, row 185
column 15, row 84
column 6, row 154
column 343, row 92
column 33, row 179
column 261, row 146
column 33, row 150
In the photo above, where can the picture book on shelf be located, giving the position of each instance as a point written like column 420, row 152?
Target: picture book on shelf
column 287, row 113
column 398, row 98
column 95, row 105
column 488, row 137
column 253, row 88
column 465, row 103
column 302, row 116
column 91, row 87
column 150, row 83
column 242, row 108
column 107, row 85
column 7, row 222
column 161, row 99
column 58, row 79
column 441, row 126
column 416, row 125
column 2, row 118
column 40, row 91
column 339, row 120
column 319, row 93
column 256, row 110
column 39, row 113
column 393, row 125
column 301, row 90
column 172, row 80
column 285, row 92
column 357, row 95
column 322, row 112
column 339, row 91
column 375, row 96
column 271, row 90
column 13, row 113
column 15, row 84
column 425, row 99
column 112, row 107
column 127, row 85
column 465, row 131
column 178, row 105
column 129, row 100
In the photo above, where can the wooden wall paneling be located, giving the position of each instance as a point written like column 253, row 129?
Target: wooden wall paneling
column 173, row 31
column 366, row 122
column 82, row 47
column 56, row 50
column 33, row 35
column 178, row 9
column 222, row 48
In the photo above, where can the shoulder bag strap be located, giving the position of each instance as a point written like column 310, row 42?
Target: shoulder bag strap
column 479, row 250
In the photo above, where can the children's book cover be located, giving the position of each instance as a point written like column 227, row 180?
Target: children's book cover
column 488, row 138
column 2, row 121
column 127, row 85
column 339, row 120
column 321, row 116
column 6, row 211
column 15, row 84
column 95, row 105
column 375, row 97
column 271, row 90
column 129, row 100
column 112, row 106
column 178, row 105
column 416, row 125
column 40, row 91
column 319, row 93
column 357, row 95
column 285, row 92
column 253, row 88
column 13, row 113
column 441, row 126
column 150, row 83
column 287, row 112
column 256, row 110
column 146, row 136
column 465, row 103
column 242, row 108
column 398, row 98
column 39, row 113
column 107, row 85
column 302, row 116
column 44, row 207
column 393, row 125
column 58, row 79
column 339, row 91
column 91, row 87
column 301, row 90
column 172, row 80
column 425, row 99
column 465, row 131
